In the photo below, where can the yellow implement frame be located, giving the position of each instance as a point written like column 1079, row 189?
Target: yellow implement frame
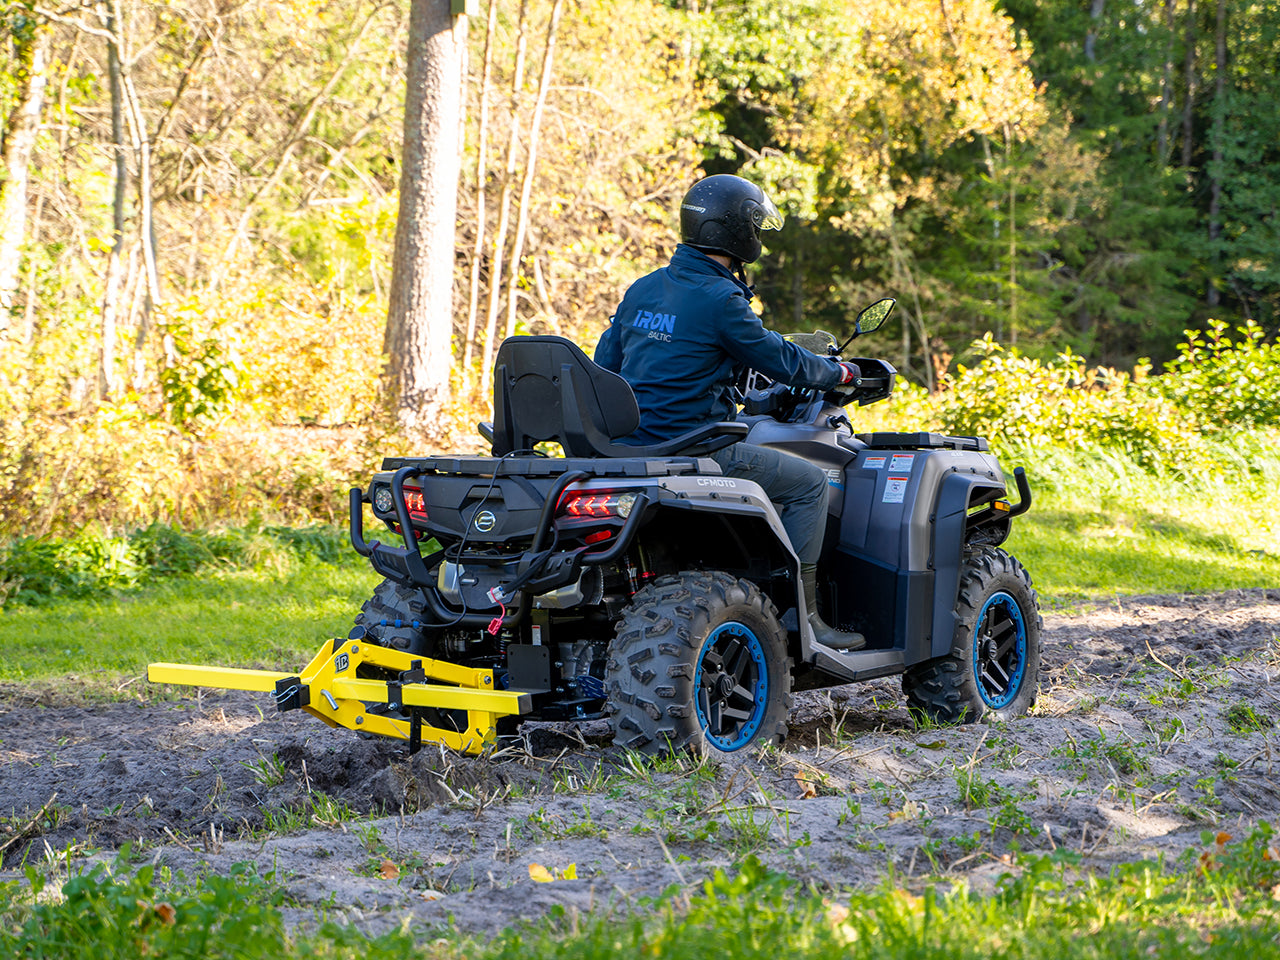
column 330, row 689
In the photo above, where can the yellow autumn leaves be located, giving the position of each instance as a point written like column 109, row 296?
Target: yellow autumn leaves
column 540, row 874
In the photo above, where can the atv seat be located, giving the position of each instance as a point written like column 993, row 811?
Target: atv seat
column 546, row 388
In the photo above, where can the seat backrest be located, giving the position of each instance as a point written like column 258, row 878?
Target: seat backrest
column 546, row 388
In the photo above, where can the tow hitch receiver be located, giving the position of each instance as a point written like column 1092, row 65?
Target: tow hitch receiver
column 408, row 693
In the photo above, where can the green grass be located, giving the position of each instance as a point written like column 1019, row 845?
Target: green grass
column 273, row 618
column 1100, row 526
column 1222, row 904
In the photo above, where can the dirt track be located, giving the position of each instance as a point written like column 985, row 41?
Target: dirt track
column 1157, row 717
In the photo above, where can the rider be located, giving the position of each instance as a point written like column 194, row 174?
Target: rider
column 683, row 334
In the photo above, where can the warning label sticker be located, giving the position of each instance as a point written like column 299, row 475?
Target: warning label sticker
column 895, row 489
column 902, row 461
column 874, row 463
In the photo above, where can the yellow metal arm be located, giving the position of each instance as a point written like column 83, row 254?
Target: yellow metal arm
column 227, row 678
column 335, row 689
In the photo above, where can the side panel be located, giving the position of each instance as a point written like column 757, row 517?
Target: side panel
column 888, row 606
column 818, row 445
column 901, row 543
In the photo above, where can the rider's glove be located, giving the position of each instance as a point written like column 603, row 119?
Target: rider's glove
column 848, row 372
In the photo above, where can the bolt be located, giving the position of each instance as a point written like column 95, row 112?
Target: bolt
column 488, row 680
column 359, row 719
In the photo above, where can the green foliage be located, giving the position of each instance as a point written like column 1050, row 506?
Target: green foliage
column 1243, row 718
column 1219, row 903
column 1225, row 384
column 201, row 370
column 1215, row 389
column 1018, row 401
column 128, row 916
column 36, row 570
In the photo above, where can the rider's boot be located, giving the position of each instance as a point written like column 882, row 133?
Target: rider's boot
column 825, row 635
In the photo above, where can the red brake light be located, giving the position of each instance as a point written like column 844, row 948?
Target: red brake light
column 415, row 502
column 597, row 505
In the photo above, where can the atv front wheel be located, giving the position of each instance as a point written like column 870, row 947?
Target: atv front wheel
column 699, row 663
column 993, row 668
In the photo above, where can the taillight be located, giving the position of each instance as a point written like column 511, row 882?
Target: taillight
column 415, row 502
column 597, row 505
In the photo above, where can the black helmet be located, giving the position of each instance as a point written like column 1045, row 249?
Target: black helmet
column 725, row 214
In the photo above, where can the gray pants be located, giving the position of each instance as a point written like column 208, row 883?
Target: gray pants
column 797, row 488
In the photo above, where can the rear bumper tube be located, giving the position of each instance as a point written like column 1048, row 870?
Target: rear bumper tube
column 356, row 501
column 397, row 563
column 1024, row 493
column 446, row 616
column 625, row 535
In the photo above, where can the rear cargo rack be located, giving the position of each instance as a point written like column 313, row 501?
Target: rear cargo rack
column 552, row 467
column 922, row 441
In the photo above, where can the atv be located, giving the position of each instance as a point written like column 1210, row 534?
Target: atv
column 637, row 583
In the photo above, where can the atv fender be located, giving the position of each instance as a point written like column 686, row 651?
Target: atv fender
column 950, row 536
column 753, row 535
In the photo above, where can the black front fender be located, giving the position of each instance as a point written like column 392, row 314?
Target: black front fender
column 951, row 535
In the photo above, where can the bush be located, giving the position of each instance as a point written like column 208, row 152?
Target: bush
column 34, row 570
column 1216, row 390
column 1224, row 384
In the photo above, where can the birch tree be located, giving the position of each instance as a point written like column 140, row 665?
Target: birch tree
column 31, row 43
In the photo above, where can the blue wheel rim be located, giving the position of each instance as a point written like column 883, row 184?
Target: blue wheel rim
column 999, row 650
column 731, row 686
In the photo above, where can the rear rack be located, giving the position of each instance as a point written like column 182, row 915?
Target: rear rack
column 922, row 441
column 554, row 466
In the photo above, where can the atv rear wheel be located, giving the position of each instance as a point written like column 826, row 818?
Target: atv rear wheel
column 393, row 617
column 699, row 663
column 993, row 668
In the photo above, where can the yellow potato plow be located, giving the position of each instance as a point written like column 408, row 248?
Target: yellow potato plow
column 395, row 694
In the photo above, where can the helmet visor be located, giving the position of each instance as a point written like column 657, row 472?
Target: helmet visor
column 768, row 217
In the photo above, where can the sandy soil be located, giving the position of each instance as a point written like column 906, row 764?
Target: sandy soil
column 1157, row 717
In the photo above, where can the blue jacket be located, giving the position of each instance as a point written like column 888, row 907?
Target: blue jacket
column 683, row 334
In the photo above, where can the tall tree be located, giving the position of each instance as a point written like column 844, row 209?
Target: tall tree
column 482, row 161
column 31, row 40
column 113, row 23
column 420, row 316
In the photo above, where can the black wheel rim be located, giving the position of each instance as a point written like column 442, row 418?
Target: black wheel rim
column 1000, row 650
column 731, row 686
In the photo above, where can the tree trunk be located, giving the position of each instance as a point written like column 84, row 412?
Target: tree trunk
column 146, row 227
column 530, row 166
column 1188, row 108
column 1166, row 83
column 1013, row 236
column 420, row 317
column 482, row 163
column 1217, row 136
column 1091, row 36
column 111, row 288
column 31, row 55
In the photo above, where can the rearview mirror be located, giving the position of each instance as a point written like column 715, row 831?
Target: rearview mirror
column 871, row 318
column 874, row 316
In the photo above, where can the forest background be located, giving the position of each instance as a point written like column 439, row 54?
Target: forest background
column 199, row 204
